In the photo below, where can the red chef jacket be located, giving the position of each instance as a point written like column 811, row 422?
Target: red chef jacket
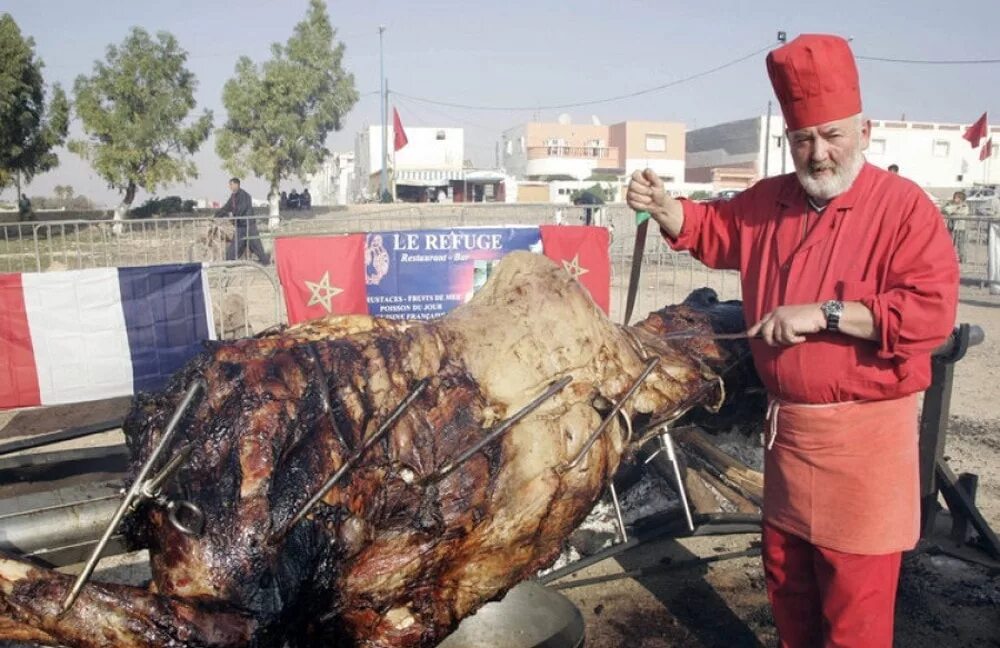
column 882, row 243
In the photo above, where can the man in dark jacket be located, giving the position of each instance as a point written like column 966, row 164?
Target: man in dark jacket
column 239, row 207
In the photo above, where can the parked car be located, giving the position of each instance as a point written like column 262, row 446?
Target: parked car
column 727, row 194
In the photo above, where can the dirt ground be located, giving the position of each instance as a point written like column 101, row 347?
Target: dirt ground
column 943, row 602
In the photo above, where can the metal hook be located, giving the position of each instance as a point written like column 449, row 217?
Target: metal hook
column 178, row 510
column 134, row 492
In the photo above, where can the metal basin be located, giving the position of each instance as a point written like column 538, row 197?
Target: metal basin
column 530, row 616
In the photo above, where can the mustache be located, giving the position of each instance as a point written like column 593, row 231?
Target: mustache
column 827, row 166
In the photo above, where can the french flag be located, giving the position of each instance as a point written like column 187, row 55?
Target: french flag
column 91, row 334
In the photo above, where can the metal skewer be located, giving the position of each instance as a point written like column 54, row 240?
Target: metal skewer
column 135, row 491
column 553, row 389
column 650, row 364
column 387, row 425
column 618, row 511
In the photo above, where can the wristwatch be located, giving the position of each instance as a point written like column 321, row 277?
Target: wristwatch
column 832, row 310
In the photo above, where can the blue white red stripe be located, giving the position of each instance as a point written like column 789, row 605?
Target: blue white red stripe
column 90, row 334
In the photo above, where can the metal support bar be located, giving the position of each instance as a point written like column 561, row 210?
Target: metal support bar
column 193, row 391
column 961, row 505
column 618, row 511
column 58, row 436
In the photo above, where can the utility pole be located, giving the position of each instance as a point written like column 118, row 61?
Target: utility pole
column 384, row 179
column 767, row 140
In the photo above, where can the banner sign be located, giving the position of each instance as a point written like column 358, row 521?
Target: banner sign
column 422, row 274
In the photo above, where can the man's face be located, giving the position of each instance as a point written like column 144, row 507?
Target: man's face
column 828, row 157
column 233, row 187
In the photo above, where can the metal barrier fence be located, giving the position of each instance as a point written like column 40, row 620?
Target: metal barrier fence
column 667, row 276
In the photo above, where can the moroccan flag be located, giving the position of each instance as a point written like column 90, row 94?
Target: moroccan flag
column 399, row 135
column 976, row 132
column 81, row 335
column 987, row 150
column 322, row 275
column 583, row 252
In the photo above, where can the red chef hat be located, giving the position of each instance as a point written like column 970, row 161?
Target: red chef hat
column 815, row 79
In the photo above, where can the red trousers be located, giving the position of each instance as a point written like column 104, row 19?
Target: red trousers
column 826, row 598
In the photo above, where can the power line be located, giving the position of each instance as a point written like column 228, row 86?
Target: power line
column 930, row 61
column 592, row 102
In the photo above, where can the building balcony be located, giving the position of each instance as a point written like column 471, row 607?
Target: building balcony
column 608, row 155
column 578, row 162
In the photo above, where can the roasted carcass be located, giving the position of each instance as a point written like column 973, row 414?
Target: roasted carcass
column 408, row 542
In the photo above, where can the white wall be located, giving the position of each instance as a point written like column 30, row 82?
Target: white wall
column 513, row 151
column 931, row 154
column 663, row 168
column 423, row 151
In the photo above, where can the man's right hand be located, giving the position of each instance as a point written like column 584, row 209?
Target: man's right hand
column 646, row 193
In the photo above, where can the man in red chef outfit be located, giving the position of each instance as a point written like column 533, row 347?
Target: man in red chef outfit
column 850, row 279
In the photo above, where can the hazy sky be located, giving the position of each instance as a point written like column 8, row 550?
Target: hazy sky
column 518, row 53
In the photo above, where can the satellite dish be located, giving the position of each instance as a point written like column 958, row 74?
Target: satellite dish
column 565, row 119
column 595, row 120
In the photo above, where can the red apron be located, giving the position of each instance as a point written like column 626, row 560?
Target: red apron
column 845, row 476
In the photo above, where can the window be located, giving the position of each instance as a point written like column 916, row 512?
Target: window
column 656, row 143
column 877, row 147
column 440, row 135
column 510, row 147
column 776, row 141
column 941, row 148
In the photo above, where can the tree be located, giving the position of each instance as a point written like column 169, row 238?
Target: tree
column 133, row 110
column 279, row 114
column 30, row 128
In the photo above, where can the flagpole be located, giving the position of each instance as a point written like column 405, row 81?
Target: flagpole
column 385, row 93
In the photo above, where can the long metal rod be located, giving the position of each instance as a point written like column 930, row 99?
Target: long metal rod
column 337, row 476
column 645, row 572
column 668, row 444
column 553, row 389
column 618, row 511
column 168, row 434
column 324, row 386
column 152, row 486
column 650, row 365
column 57, row 436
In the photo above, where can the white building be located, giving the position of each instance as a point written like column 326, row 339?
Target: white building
column 432, row 157
column 734, row 154
column 331, row 183
column 567, row 151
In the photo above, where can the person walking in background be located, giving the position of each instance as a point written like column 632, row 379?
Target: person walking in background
column 957, row 210
column 239, row 208
column 894, row 168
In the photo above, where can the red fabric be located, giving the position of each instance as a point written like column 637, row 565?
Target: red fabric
column 822, row 597
column 322, row 275
column 18, row 375
column 976, row 132
column 882, row 243
column 987, row 150
column 815, row 79
column 399, row 139
column 583, row 251
column 845, row 476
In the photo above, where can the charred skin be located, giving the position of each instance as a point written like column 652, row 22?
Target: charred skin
column 392, row 557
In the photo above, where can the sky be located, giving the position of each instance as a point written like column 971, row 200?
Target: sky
column 517, row 54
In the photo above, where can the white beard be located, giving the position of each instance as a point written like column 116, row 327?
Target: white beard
column 830, row 186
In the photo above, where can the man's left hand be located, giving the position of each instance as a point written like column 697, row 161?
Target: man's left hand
column 788, row 325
